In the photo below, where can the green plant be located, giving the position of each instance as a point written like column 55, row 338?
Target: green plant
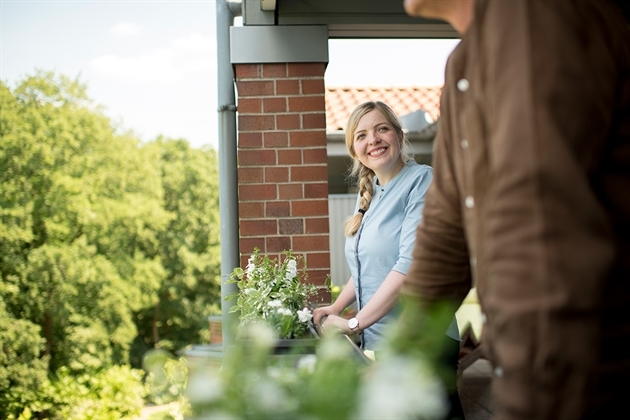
column 334, row 383
column 335, row 291
column 104, row 394
column 166, row 381
column 274, row 292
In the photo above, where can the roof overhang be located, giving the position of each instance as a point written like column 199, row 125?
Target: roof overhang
column 346, row 18
column 355, row 18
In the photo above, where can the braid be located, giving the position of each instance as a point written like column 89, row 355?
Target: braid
column 352, row 223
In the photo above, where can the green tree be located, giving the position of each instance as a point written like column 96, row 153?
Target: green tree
column 82, row 211
column 80, row 215
column 108, row 247
column 22, row 370
column 189, row 250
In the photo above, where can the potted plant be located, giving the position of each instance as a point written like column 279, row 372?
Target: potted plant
column 275, row 292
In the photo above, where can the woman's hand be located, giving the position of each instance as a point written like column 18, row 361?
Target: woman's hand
column 336, row 323
column 320, row 314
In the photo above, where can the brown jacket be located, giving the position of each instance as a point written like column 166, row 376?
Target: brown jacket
column 530, row 202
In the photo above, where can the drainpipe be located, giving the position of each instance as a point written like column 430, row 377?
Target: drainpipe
column 226, row 10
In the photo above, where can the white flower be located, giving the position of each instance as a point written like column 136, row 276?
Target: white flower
column 250, row 266
column 291, row 270
column 304, row 315
column 402, row 387
column 285, row 311
column 204, row 386
column 275, row 303
column 307, row 363
column 332, row 349
column 260, row 333
column 269, row 398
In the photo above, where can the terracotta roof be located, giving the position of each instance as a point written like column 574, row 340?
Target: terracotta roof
column 341, row 101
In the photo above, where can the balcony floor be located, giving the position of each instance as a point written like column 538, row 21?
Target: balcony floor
column 474, row 390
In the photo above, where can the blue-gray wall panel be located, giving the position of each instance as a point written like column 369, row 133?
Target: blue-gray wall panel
column 278, row 44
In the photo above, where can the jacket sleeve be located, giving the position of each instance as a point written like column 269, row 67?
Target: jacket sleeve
column 550, row 88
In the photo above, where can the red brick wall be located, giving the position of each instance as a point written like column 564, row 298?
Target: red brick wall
column 282, row 163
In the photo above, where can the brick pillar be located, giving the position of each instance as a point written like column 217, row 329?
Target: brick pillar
column 282, row 163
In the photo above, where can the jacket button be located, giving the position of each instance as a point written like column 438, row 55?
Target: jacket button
column 462, row 85
column 469, row 202
column 464, row 144
column 498, row 371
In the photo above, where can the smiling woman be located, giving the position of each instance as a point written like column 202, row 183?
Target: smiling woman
column 379, row 235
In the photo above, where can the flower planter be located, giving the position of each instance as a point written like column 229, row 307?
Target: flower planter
column 289, row 346
column 296, row 346
column 216, row 329
column 277, row 293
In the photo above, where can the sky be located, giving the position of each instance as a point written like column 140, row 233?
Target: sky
column 152, row 64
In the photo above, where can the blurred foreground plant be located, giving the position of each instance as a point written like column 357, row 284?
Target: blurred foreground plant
column 166, row 381
column 253, row 383
column 333, row 381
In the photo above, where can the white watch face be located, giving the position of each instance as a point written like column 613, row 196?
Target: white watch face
column 353, row 323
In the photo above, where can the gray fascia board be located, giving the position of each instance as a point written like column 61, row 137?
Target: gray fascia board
column 254, row 15
column 279, row 44
column 398, row 31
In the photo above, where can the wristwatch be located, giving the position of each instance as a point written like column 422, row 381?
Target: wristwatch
column 353, row 324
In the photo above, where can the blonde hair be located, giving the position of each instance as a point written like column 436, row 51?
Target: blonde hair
column 363, row 175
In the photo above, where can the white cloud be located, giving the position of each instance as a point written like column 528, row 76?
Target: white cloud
column 195, row 42
column 189, row 55
column 155, row 67
column 126, row 29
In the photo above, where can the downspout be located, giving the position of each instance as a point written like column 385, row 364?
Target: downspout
column 226, row 10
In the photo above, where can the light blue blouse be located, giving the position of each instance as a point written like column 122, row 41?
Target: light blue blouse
column 385, row 240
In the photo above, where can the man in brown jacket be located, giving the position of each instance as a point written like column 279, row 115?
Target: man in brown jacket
column 530, row 200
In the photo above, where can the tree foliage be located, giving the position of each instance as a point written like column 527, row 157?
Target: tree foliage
column 108, row 246
column 189, row 251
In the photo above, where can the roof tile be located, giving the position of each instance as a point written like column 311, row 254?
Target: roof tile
column 341, row 101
